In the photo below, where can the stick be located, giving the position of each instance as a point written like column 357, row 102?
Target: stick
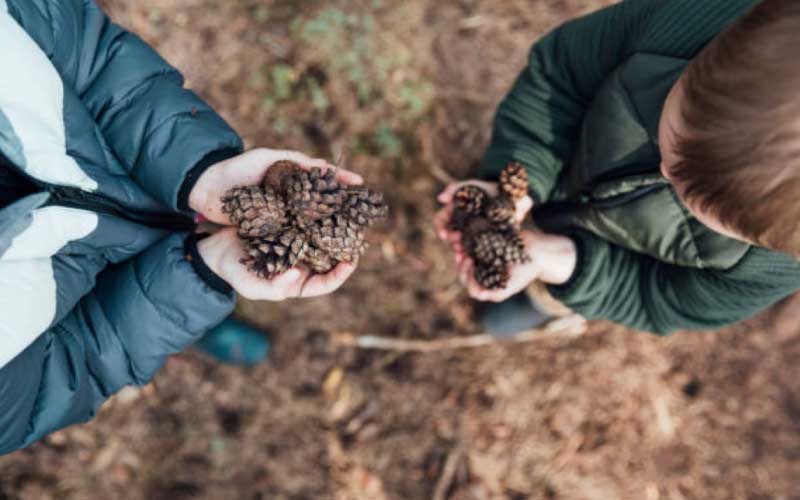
column 572, row 326
column 448, row 473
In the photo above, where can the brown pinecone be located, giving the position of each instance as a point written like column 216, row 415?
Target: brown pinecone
column 496, row 248
column 492, row 277
column 468, row 201
column 272, row 255
column 257, row 211
column 279, row 174
column 514, row 181
column 364, row 206
column 313, row 195
column 502, row 212
column 340, row 237
column 302, row 217
column 318, row 260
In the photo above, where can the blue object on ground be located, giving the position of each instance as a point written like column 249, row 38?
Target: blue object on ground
column 235, row 342
column 512, row 316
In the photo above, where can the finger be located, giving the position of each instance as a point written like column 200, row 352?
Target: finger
column 476, row 291
column 495, row 295
column 523, row 207
column 440, row 222
column 465, row 269
column 324, row 284
column 261, row 158
column 279, row 288
column 454, row 238
column 301, row 159
column 346, row 176
column 286, row 285
column 446, row 196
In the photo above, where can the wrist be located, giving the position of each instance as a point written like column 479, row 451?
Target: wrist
column 556, row 257
column 203, row 252
column 194, row 191
column 198, row 196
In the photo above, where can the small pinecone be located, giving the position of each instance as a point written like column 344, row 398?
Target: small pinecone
column 364, row 206
column 468, row 201
column 514, row 181
column 313, row 195
column 492, row 277
column 257, row 211
column 340, row 237
column 318, row 260
column 502, row 212
column 497, row 248
column 272, row 255
column 279, row 173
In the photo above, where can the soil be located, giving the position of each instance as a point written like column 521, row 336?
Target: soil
column 403, row 92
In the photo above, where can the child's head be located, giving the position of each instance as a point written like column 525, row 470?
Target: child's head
column 730, row 132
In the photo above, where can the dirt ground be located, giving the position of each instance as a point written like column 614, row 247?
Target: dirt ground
column 403, row 92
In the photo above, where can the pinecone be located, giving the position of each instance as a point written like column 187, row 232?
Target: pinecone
column 492, row 277
column 514, row 181
column 271, row 255
column 468, row 201
column 319, row 260
column 364, row 206
column 279, row 174
column 302, row 217
column 257, row 211
column 340, row 237
column 502, row 212
column 496, row 248
column 313, row 195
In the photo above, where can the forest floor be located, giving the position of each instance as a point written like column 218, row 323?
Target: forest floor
column 403, row 92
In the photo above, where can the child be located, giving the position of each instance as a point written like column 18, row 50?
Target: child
column 662, row 142
column 103, row 158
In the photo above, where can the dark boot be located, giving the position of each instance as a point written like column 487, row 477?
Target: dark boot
column 236, row 343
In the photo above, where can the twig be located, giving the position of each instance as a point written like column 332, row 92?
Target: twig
column 448, row 473
column 436, row 170
column 440, row 174
column 567, row 327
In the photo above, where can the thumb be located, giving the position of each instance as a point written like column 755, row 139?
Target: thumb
column 524, row 206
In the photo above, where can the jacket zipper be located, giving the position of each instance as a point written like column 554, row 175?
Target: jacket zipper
column 72, row 197
column 76, row 198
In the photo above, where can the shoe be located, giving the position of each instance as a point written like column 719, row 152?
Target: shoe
column 235, row 343
column 512, row 316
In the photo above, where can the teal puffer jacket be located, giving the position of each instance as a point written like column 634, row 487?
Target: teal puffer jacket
column 95, row 287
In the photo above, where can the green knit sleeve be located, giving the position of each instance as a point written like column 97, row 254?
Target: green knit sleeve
column 538, row 122
column 638, row 291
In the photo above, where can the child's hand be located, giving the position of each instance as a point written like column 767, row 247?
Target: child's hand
column 246, row 170
column 442, row 219
column 552, row 260
column 223, row 251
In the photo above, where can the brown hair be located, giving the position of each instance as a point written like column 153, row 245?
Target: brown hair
column 740, row 153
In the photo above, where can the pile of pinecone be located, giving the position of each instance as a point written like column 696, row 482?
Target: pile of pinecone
column 490, row 231
column 302, row 217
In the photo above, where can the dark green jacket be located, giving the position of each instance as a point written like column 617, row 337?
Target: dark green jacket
column 583, row 118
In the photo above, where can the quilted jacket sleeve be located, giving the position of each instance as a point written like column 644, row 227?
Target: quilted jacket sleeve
column 161, row 132
column 119, row 334
column 538, row 122
column 614, row 283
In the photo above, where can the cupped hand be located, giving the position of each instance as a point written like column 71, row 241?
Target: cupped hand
column 441, row 221
column 552, row 260
column 246, row 170
column 223, row 252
